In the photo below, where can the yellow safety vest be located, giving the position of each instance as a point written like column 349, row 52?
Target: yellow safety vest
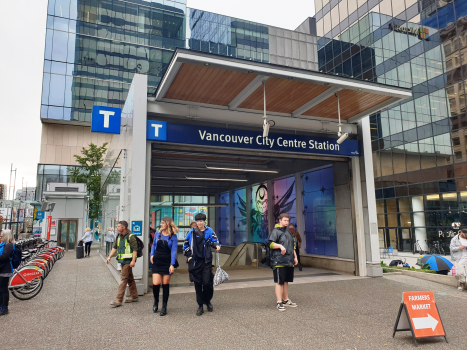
column 128, row 254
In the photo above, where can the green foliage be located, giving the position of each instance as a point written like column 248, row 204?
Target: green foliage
column 393, row 268
column 91, row 163
column 426, row 267
column 383, row 264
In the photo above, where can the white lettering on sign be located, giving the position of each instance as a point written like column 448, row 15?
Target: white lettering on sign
column 419, row 297
column 425, row 322
column 421, row 307
column 156, row 129
column 106, row 115
column 266, row 141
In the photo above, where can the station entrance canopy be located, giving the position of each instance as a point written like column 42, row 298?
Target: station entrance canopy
column 224, row 88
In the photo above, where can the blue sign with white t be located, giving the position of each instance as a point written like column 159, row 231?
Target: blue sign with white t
column 156, row 131
column 247, row 139
column 106, row 119
column 137, row 228
column 39, row 215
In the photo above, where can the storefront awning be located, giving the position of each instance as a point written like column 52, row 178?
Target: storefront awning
column 234, row 84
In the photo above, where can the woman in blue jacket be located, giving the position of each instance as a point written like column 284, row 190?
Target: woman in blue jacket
column 163, row 260
column 6, row 270
column 197, row 250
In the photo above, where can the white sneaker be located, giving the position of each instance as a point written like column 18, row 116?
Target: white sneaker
column 288, row 302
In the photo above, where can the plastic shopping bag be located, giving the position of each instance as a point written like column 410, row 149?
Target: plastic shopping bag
column 221, row 276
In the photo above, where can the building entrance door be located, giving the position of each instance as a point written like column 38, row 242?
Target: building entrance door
column 67, row 234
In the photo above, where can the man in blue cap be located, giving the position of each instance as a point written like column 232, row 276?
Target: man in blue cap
column 197, row 250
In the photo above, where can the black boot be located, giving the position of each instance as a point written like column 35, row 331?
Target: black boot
column 210, row 307
column 3, row 310
column 164, row 309
column 200, row 311
column 155, row 291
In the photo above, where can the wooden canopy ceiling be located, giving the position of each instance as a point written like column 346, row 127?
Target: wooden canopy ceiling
column 209, row 80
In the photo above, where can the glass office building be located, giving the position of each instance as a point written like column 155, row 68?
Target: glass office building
column 94, row 47
column 419, row 145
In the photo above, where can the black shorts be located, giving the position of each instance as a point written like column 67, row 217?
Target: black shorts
column 283, row 274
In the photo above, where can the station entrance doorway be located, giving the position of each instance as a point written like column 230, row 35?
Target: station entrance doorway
column 243, row 193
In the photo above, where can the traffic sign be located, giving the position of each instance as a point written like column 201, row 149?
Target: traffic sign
column 418, row 313
column 137, row 228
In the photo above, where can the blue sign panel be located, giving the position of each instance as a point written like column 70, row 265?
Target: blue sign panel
column 40, row 215
column 106, row 119
column 246, row 139
column 157, row 130
column 137, row 228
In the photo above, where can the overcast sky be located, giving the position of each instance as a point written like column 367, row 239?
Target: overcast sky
column 22, row 33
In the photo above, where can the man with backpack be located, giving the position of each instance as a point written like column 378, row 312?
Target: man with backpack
column 197, row 250
column 282, row 260
column 126, row 247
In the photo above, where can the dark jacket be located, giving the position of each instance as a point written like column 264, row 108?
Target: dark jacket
column 5, row 265
column 282, row 236
column 210, row 240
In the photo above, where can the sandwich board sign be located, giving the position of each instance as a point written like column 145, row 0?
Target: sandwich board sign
column 418, row 313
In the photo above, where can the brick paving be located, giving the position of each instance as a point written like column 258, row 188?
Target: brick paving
column 72, row 312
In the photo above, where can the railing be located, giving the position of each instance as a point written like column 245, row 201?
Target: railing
column 246, row 253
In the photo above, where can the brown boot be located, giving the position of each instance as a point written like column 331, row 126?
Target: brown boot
column 131, row 300
column 115, row 303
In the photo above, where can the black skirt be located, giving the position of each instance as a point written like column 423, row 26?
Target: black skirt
column 162, row 259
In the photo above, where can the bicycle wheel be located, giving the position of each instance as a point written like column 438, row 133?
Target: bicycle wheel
column 29, row 292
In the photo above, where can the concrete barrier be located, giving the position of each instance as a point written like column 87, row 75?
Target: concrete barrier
column 443, row 279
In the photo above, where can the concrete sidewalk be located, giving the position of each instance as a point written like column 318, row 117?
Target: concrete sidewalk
column 72, row 312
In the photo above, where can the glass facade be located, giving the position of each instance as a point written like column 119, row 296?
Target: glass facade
column 51, row 173
column 94, row 47
column 419, row 145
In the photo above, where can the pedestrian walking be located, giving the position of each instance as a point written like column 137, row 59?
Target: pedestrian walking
column 109, row 240
column 163, row 260
column 458, row 248
column 297, row 243
column 283, row 259
column 197, row 250
column 126, row 248
column 6, row 269
column 87, row 239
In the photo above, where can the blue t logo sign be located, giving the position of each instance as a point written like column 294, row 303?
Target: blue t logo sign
column 106, row 119
column 156, row 130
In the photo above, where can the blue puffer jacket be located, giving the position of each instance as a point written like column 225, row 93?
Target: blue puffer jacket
column 6, row 251
column 210, row 240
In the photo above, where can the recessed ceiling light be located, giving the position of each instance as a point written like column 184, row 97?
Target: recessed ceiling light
column 214, row 167
column 213, row 179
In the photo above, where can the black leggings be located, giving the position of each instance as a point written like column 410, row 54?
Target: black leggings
column 4, row 293
column 87, row 248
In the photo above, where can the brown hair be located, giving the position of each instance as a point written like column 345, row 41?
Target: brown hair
column 171, row 228
column 123, row 223
column 284, row 215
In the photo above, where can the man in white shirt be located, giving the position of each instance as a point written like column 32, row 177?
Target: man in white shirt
column 459, row 255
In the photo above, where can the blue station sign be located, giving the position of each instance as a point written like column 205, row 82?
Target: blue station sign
column 246, row 139
column 106, row 119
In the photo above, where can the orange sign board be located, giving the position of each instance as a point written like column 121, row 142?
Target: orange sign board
column 418, row 313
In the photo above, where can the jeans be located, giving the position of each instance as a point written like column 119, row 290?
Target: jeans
column 461, row 270
column 4, row 293
column 87, row 248
column 126, row 278
column 108, row 247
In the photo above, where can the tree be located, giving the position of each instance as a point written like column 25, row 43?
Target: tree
column 89, row 172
